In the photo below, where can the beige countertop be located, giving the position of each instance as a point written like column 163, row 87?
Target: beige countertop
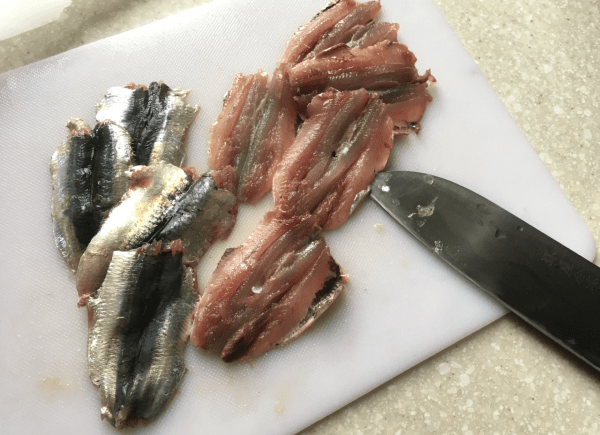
column 542, row 57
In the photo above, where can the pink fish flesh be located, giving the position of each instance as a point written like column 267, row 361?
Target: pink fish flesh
column 344, row 142
column 262, row 290
column 381, row 66
column 254, row 128
column 305, row 39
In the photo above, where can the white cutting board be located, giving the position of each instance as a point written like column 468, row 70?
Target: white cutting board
column 402, row 304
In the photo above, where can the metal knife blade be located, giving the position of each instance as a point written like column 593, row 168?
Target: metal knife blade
column 545, row 283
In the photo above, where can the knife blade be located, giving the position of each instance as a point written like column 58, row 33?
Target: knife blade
column 551, row 287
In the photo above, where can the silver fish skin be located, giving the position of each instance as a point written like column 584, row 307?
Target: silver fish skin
column 172, row 127
column 88, row 178
column 141, row 321
column 125, row 106
column 157, row 119
column 201, row 215
column 70, row 171
column 153, row 190
column 112, row 160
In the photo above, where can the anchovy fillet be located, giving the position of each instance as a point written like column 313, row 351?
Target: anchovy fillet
column 202, row 214
column 140, row 327
column 112, row 160
column 253, row 130
column 156, row 118
column 344, row 29
column 152, row 192
column 70, row 169
column 267, row 290
column 304, row 40
column 373, row 33
column 88, row 178
column 272, row 134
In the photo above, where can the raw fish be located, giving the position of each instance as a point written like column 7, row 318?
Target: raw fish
column 381, row 66
column 268, row 289
column 273, row 133
column 157, row 119
column 88, row 178
column 344, row 29
column 152, row 192
column 342, row 145
column 253, row 130
column 140, row 324
column 406, row 104
column 305, row 39
column 202, row 214
column 373, row 33
column 229, row 134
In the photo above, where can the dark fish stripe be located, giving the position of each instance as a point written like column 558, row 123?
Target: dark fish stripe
column 162, row 336
column 103, row 170
column 151, row 116
column 142, row 318
column 125, row 107
column 185, row 209
column 80, row 168
column 153, row 121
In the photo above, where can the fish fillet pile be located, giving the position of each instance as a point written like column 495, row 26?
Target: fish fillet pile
column 133, row 225
column 354, row 87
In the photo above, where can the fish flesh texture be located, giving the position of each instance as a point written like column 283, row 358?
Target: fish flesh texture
column 273, row 133
column 153, row 190
column 355, row 88
column 111, row 161
column 140, row 323
column 267, row 290
column 229, row 135
column 372, row 33
column 406, row 104
column 380, row 66
column 253, row 130
column 354, row 186
column 339, row 149
column 309, row 35
column 320, row 281
column 344, row 29
column 157, row 119
column 164, row 204
column 88, row 178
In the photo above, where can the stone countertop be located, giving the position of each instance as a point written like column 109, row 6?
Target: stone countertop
column 542, row 57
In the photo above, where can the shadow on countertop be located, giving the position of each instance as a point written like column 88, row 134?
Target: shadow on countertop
column 82, row 22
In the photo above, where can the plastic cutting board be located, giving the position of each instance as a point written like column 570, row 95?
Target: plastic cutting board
column 402, row 304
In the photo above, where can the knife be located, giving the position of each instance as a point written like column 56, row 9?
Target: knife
column 553, row 288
